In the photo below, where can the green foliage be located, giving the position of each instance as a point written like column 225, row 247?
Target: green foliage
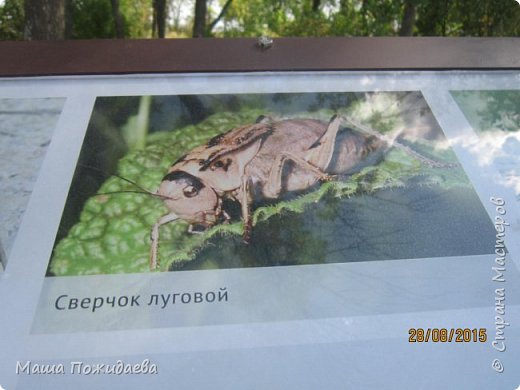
column 490, row 110
column 281, row 18
column 502, row 110
column 94, row 18
column 138, row 17
column 11, row 20
column 112, row 235
column 468, row 18
column 488, row 18
column 252, row 18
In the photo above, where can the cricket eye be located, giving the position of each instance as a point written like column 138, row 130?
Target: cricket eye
column 190, row 191
column 222, row 164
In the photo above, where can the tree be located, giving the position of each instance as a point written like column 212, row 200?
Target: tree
column 199, row 22
column 87, row 19
column 12, row 20
column 118, row 19
column 408, row 20
column 466, row 18
column 201, row 27
column 159, row 17
column 94, row 19
column 316, row 5
column 486, row 18
column 44, row 19
column 138, row 15
column 219, row 17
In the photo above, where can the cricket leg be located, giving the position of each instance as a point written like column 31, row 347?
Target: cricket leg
column 226, row 216
column 393, row 142
column 273, row 187
column 191, row 229
column 220, row 212
column 321, row 151
column 154, row 237
column 246, row 199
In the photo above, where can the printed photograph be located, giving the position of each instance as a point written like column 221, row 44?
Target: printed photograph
column 198, row 182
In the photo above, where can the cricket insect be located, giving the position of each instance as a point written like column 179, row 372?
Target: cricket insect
column 264, row 161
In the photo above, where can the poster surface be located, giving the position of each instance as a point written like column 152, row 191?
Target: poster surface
column 315, row 230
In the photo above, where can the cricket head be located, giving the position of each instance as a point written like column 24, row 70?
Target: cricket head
column 189, row 198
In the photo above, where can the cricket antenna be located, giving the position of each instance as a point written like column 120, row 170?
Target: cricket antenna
column 143, row 191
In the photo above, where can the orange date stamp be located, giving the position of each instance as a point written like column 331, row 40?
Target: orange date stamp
column 444, row 335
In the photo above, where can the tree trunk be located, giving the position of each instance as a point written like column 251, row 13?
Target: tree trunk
column 199, row 24
column 118, row 19
column 220, row 16
column 69, row 31
column 44, row 19
column 159, row 10
column 408, row 21
column 316, row 5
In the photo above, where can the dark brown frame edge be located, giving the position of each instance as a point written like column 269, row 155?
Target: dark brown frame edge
column 96, row 57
